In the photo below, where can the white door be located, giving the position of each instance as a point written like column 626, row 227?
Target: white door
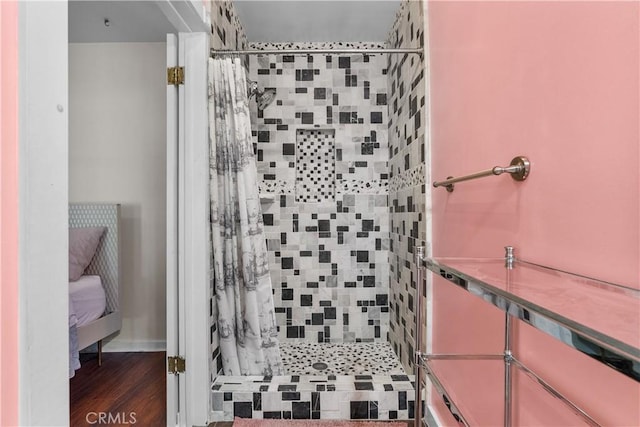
column 187, row 231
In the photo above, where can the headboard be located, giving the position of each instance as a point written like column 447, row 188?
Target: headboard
column 105, row 262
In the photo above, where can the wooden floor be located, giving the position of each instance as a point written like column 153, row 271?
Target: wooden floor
column 127, row 386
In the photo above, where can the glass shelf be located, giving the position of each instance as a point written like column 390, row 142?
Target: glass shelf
column 473, row 391
column 597, row 318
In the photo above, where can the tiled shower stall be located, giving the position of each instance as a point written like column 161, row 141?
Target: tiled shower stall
column 341, row 165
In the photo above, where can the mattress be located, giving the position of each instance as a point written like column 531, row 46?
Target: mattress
column 87, row 300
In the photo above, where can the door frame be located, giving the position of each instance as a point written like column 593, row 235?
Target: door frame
column 188, row 263
column 43, row 186
column 173, row 384
column 43, row 384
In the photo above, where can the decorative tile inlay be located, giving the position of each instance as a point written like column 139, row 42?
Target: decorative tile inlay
column 276, row 187
column 408, row 178
column 340, row 359
column 315, row 165
column 316, row 45
column 363, row 187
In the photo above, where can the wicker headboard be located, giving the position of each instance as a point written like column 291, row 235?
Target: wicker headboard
column 105, row 262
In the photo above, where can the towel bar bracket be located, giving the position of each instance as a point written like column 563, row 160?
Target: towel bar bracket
column 449, row 187
column 523, row 167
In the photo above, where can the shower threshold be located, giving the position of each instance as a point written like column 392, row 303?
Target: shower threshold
column 376, row 389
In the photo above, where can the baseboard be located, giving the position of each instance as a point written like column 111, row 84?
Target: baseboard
column 123, row 346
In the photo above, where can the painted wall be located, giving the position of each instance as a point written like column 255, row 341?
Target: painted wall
column 558, row 82
column 8, row 213
column 407, row 129
column 117, row 153
column 322, row 152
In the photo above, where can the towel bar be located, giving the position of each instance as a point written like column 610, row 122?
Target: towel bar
column 519, row 169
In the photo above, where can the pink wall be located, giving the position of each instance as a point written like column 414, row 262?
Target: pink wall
column 558, row 82
column 8, row 213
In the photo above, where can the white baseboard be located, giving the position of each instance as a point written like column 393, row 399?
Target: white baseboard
column 122, row 346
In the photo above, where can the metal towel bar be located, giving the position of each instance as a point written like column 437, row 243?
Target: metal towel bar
column 519, row 169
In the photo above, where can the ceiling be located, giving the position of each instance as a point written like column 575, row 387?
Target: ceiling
column 129, row 21
column 263, row 20
column 317, row 21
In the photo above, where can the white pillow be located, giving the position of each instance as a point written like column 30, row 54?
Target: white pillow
column 83, row 243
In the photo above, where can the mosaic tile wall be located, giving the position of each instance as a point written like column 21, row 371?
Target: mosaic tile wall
column 226, row 33
column 315, row 165
column 328, row 258
column 407, row 129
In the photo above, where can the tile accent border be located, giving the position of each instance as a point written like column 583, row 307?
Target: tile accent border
column 316, row 45
column 276, row 187
column 363, row 187
column 408, row 178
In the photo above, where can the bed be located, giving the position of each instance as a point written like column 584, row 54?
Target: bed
column 94, row 305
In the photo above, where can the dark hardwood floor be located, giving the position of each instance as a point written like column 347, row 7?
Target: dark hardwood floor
column 127, row 387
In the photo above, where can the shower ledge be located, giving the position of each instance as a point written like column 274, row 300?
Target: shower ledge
column 267, row 197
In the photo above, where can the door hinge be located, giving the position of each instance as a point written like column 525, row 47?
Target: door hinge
column 175, row 76
column 176, row 365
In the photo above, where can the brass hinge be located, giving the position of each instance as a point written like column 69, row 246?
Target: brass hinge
column 176, row 365
column 175, row 76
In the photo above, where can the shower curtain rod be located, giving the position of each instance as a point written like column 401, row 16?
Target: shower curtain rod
column 418, row 51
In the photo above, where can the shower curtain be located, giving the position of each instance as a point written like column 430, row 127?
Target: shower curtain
column 246, row 317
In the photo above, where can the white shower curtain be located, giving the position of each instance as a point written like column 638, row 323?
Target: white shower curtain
column 246, row 317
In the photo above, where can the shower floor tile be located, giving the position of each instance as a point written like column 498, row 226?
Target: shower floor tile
column 340, row 359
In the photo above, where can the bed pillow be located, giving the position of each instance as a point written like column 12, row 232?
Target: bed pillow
column 83, row 243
